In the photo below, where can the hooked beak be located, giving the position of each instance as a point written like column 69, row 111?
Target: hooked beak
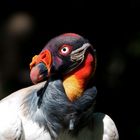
column 40, row 66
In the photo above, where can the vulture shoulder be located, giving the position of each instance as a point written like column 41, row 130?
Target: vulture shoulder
column 14, row 126
column 101, row 127
column 11, row 113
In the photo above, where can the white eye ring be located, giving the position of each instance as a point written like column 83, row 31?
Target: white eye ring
column 65, row 50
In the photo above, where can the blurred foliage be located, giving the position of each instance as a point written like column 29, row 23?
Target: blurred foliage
column 134, row 47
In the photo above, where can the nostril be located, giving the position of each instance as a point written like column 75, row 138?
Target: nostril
column 43, row 56
column 33, row 65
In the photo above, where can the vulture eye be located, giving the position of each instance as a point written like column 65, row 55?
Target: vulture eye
column 65, row 50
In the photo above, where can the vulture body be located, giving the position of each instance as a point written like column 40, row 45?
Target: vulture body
column 63, row 107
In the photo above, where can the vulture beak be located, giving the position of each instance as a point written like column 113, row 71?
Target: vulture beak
column 40, row 66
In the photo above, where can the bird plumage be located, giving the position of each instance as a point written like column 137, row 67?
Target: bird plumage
column 47, row 110
column 22, row 120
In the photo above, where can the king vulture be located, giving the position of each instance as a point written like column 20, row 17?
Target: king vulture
column 61, row 107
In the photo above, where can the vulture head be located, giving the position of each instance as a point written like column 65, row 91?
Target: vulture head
column 69, row 56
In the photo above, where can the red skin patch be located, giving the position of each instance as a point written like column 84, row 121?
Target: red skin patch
column 84, row 73
column 71, row 34
column 79, row 77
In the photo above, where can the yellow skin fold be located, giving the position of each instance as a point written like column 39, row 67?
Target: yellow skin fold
column 76, row 82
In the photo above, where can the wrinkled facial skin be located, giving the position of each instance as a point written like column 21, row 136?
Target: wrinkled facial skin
column 62, row 63
column 56, row 57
